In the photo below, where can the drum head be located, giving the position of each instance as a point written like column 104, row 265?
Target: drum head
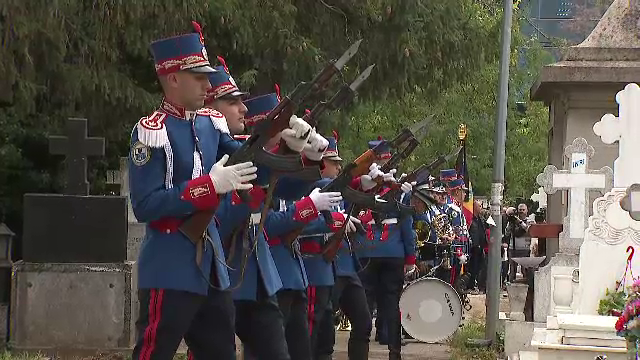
column 431, row 310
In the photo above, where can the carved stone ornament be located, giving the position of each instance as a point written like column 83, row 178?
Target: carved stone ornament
column 610, row 224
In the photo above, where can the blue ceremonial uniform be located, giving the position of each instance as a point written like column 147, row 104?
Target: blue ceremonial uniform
column 172, row 152
column 168, row 183
column 394, row 237
column 288, row 261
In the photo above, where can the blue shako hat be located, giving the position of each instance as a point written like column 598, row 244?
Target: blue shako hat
column 182, row 52
column 222, row 83
column 259, row 107
column 386, row 148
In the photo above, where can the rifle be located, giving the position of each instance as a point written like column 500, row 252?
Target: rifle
column 358, row 167
column 420, row 174
column 195, row 226
column 413, row 135
column 339, row 99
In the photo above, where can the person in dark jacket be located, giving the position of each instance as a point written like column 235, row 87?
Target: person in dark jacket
column 478, row 235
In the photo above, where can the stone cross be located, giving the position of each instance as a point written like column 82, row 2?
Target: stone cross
column 624, row 129
column 579, row 180
column 540, row 197
column 76, row 146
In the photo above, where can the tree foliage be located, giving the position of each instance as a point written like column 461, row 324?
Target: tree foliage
column 74, row 58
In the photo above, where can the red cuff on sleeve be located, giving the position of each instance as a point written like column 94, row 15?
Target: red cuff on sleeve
column 338, row 221
column 256, row 194
column 305, row 210
column 366, row 218
column 201, row 193
column 410, row 260
column 355, row 183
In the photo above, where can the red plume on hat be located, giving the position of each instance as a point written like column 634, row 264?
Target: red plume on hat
column 198, row 29
column 223, row 63
column 307, row 111
column 336, row 135
column 278, row 92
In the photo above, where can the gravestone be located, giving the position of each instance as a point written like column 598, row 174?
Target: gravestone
column 612, row 229
column 76, row 146
column 74, row 292
column 578, row 179
column 581, row 88
column 75, row 227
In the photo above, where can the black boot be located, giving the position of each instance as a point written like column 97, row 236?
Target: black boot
column 358, row 350
column 395, row 355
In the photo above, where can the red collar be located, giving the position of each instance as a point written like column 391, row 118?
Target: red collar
column 175, row 110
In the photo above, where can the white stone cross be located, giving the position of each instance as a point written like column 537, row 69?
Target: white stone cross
column 540, row 197
column 624, row 129
column 579, row 180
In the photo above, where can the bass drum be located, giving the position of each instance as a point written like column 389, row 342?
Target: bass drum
column 431, row 310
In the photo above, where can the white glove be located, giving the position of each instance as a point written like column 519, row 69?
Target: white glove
column 463, row 258
column 367, row 181
column 294, row 136
column 234, row 177
column 316, row 147
column 351, row 227
column 388, row 177
column 302, row 129
column 407, row 187
column 401, row 177
column 325, row 200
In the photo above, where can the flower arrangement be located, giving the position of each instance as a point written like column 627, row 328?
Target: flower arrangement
column 628, row 324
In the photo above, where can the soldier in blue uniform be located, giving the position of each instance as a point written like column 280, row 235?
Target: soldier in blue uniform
column 175, row 172
column 348, row 294
column 460, row 251
column 254, row 276
column 320, row 272
column 388, row 253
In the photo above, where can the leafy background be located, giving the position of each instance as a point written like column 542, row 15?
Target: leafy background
column 75, row 58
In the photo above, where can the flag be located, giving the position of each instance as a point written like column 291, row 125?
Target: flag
column 461, row 168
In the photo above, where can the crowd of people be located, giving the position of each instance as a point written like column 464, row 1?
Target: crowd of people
column 261, row 266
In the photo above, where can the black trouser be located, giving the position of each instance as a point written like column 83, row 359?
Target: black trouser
column 293, row 305
column 383, row 279
column 166, row 316
column 348, row 295
column 319, row 305
column 260, row 327
column 476, row 262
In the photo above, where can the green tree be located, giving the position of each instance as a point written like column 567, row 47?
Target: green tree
column 73, row 58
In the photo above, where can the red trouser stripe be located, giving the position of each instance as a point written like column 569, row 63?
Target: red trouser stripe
column 189, row 355
column 311, row 294
column 155, row 314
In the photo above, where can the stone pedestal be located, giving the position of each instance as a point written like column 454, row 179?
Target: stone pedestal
column 579, row 337
column 73, row 308
column 517, row 298
column 543, row 299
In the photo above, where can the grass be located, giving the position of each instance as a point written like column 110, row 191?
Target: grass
column 474, row 330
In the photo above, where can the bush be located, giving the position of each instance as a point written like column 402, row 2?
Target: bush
column 460, row 350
